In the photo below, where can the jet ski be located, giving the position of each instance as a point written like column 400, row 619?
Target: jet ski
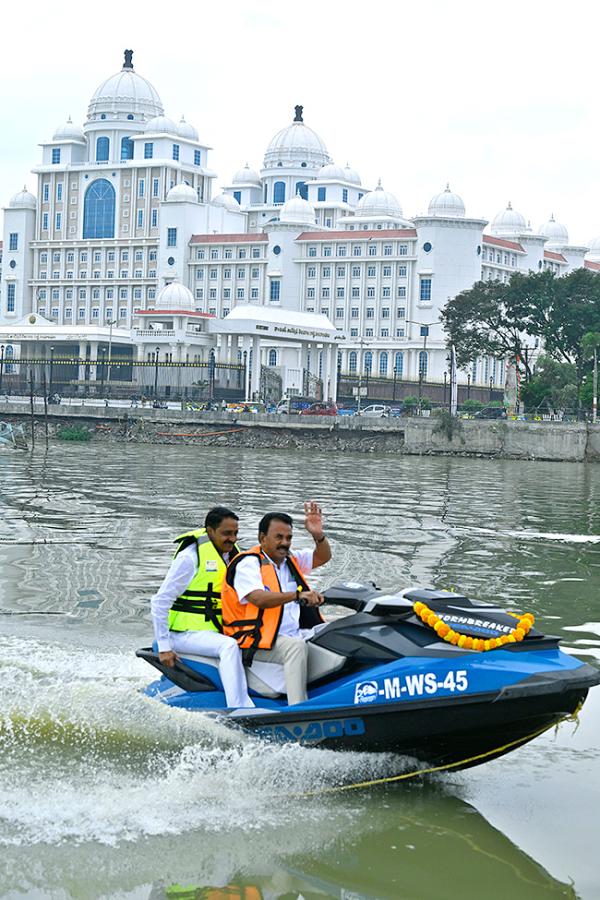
column 382, row 679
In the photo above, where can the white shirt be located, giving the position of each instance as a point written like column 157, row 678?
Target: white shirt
column 248, row 579
column 182, row 570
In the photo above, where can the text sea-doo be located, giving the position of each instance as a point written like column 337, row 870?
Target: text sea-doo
column 382, row 680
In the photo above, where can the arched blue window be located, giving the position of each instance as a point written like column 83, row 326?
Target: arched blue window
column 9, row 354
column 423, row 364
column 399, row 364
column 383, row 363
column 99, row 210
column 279, row 192
column 302, row 189
column 102, row 149
column 352, row 361
column 126, row 148
column 368, row 362
column 272, row 357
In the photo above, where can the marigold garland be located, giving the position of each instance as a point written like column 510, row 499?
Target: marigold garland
column 524, row 625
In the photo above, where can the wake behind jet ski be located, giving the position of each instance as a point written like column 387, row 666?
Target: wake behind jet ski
column 382, row 679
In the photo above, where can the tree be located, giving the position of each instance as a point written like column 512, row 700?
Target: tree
column 498, row 319
column 589, row 347
column 553, row 386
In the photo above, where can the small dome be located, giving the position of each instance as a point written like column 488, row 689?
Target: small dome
column 296, row 144
column 182, row 193
column 175, row 296
column 447, row 204
column 23, row 200
column 185, row 130
column 331, row 172
column 297, row 211
column 378, row 203
column 351, row 175
column 594, row 249
column 555, row 232
column 246, row 176
column 68, row 132
column 509, row 221
column 161, row 125
column 227, row 202
column 125, row 93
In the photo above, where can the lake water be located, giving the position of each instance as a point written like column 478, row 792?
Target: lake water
column 105, row 793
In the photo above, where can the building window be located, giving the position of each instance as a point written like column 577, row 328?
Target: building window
column 400, row 312
column 325, row 293
column 312, row 251
column 99, row 210
column 310, row 293
column 81, row 312
column 352, row 361
column 344, row 195
column 241, row 273
column 237, row 196
column 141, row 187
column 59, row 191
column 13, row 241
column 55, row 155
column 46, row 193
column 254, row 273
column 311, row 272
column 227, row 294
column 272, row 357
column 10, row 297
column 275, row 289
column 402, row 249
column 279, row 192
column 44, row 221
column 339, row 313
column 368, row 361
column 325, row 311
column 123, row 313
column 425, row 290
column 254, row 294
column 240, row 293
column 140, row 218
column 326, row 251
column 241, row 253
column 357, row 251
column 226, row 273
column 372, row 249
column 387, row 249
column 370, row 292
column 354, row 312
column 401, row 271
column 340, row 293
column 399, row 363
column 149, row 150
column 385, row 292
column 370, row 271
column 423, row 363
column 370, row 312
column 197, row 157
column 126, row 148
column 155, row 187
column 256, row 253
column 321, row 193
column 341, row 250
column 102, row 149
column 385, row 312
column 171, row 237
column 326, row 272
column 95, row 312
column 402, row 292
column 383, row 361
column 154, row 218
column 302, row 189
column 387, row 271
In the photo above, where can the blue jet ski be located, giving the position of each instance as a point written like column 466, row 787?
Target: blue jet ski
column 380, row 679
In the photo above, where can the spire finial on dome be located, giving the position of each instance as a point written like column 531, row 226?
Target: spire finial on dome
column 127, row 64
column 24, row 188
column 552, row 217
column 448, row 186
column 69, row 121
column 379, row 185
column 298, row 117
column 509, row 205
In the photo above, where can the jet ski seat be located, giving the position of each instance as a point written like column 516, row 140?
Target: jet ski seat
column 267, row 679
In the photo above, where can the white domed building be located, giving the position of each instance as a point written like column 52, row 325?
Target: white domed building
column 122, row 241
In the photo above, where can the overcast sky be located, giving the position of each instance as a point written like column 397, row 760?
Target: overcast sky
column 499, row 99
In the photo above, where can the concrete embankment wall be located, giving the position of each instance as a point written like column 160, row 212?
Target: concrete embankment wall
column 574, row 442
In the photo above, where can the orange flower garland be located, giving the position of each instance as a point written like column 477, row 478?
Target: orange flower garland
column 524, row 625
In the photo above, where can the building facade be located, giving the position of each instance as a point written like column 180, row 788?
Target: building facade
column 124, row 211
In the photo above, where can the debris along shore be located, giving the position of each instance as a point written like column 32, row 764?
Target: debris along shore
column 437, row 435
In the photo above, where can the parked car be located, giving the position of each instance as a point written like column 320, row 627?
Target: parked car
column 376, row 411
column 294, row 405
column 320, row 409
column 490, row 412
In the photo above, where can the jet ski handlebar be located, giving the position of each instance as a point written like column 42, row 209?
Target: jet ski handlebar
column 367, row 598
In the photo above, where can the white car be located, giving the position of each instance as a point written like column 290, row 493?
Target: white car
column 376, row 411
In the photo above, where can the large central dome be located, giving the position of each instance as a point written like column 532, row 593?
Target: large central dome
column 295, row 145
column 125, row 94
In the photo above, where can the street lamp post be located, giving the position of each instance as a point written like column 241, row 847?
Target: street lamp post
column 1, row 364
column 211, row 375
column 445, row 380
column 491, row 386
column 51, row 368
column 156, row 373
column 102, row 350
column 468, row 385
column 395, row 379
column 110, row 328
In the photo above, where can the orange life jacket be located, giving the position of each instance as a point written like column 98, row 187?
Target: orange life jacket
column 254, row 628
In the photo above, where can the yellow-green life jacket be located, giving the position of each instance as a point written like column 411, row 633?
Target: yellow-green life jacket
column 198, row 608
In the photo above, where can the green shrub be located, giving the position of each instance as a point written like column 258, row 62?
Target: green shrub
column 471, row 406
column 73, row 433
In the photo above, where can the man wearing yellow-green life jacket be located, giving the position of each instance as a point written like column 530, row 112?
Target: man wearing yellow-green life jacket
column 186, row 610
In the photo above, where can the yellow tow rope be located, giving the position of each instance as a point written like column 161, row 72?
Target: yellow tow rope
column 572, row 717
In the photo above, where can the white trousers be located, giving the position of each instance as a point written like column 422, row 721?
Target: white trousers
column 231, row 670
column 292, row 653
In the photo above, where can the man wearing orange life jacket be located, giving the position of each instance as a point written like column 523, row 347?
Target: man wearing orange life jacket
column 267, row 602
